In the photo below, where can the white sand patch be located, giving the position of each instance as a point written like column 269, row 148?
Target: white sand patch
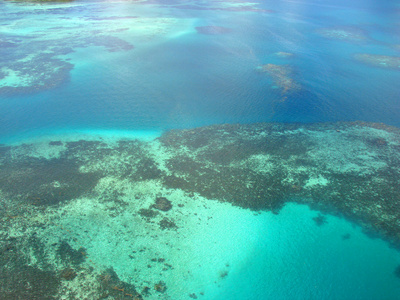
column 315, row 181
column 14, row 78
column 260, row 163
column 160, row 155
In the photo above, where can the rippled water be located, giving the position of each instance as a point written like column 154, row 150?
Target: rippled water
column 139, row 68
column 176, row 77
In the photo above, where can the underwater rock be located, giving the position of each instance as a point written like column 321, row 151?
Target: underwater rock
column 68, row 274
column 380, row 61
column 320, row 220
column 349, row 169
column 42, row 71
column 212, row 30
column 160, row 287
column 162, row 204
column 166, row 223
column 113, row 287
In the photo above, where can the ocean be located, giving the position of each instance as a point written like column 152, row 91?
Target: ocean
column 268, row 129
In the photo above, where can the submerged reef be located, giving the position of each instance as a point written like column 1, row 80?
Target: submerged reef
column 33, row 55
column 282, row 75
column 37, row 66
column 283, row 54
column 71, row 210
column 347, row 34
column 381, row 61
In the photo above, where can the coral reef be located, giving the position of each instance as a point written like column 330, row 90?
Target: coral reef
column 69, row 255
column 148, row 213
column 261, row 166
column 380, row 61
column 347, row 34
column 160, row 287
column 45, row 182
column 112, row 287
column 162, row 204
column 141, row 196
column 68, row 274
column 166, row 223
column 282, row 75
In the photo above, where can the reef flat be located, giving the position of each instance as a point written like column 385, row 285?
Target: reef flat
column 347, row 168
column 107, row 219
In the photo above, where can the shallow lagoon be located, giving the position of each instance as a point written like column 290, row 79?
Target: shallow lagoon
column 88, row 93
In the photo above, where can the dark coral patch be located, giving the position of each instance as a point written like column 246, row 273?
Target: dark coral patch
column 68, row 274
column 148, row 213
column 20, row 281
column 27, row 282
column 166, row 223
column 320, row 220
column 69, row 255
column 111, row 287
column 55, row 143
column 160, row 287
column 397, row 271
column 45, row 182
column 162, row 204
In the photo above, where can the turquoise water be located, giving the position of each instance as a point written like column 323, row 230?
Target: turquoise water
column 124, row 69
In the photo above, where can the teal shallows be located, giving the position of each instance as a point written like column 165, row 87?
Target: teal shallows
column 229, row 225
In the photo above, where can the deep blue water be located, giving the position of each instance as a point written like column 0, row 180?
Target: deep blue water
column 184, row 79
